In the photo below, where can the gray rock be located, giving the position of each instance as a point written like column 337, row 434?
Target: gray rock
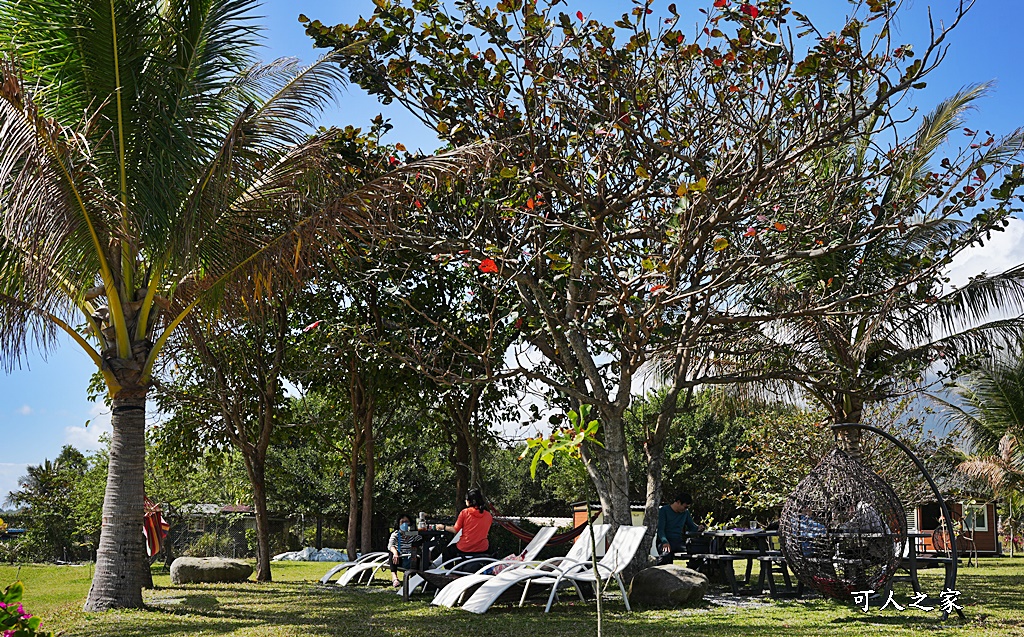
column 667, row 586
column 194, row 570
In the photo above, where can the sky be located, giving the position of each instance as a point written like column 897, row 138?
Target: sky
column 43, row 405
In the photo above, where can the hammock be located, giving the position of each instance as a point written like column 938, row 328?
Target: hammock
column 154, row 527
column 526, row 536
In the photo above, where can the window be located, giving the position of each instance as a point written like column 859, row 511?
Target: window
column 975, row 517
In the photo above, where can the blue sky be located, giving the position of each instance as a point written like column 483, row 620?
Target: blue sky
column 43, row 405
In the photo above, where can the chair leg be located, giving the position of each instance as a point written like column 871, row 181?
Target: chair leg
column 551, row 598
column 622, row 588
column 526, row 590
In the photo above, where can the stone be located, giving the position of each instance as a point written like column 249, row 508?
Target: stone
column 195, row 570
column 667, row 586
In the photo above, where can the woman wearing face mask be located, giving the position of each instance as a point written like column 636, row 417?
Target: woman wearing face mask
column 399, row 545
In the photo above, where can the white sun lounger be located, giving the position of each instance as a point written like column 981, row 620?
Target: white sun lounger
column 367, row 570
column 366, row 567
column 455, row 592
column 363, row 559
column 480, row 564
column 619, row 555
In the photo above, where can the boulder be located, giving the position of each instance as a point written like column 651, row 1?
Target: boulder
column 667, row 586
column 194, row 570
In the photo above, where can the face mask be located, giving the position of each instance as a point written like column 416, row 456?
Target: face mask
column 404, row 526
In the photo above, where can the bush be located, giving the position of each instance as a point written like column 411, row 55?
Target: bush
column 211, row 545
column 13, row 618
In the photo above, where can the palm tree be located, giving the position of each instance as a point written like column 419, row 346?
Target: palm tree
column 892, row 317
column 150, row 168
column 991, row 415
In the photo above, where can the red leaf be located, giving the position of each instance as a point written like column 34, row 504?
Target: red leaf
column 781, row 227
column 751, row 232
column 488, row 266
column 312, row 326
column 749, row 9
column 721, row 3
column 579, row 14
column 529, row 203
column 718, row 61
column 658, row 288
column 418, row 204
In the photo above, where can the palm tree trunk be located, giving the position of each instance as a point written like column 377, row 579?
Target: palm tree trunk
column 121, row 555
column 849, row 410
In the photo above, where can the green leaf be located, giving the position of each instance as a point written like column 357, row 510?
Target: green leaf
column 642, row 173
column 13, row 593
column 508, row 172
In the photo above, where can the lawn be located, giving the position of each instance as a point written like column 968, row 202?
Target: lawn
column 294, row 604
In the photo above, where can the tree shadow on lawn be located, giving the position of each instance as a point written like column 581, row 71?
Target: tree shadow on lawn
column 305, row 608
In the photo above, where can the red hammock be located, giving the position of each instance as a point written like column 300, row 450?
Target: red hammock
column 526, row 536
column 154, row 527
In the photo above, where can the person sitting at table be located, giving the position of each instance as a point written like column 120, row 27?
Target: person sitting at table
column 399, row 545
column 475, row 523
column 674, row 520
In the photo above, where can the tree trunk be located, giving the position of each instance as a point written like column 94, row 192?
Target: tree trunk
column 609, row 470
column 460, row 459
column 352, row 541
column 319, row 532
column 368, row 480
column 257, row 476
column 117, row 582
column 849, row 410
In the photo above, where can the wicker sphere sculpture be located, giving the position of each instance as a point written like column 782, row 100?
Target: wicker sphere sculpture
column 843, row 528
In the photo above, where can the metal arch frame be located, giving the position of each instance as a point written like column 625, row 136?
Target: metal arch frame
column 950, row 582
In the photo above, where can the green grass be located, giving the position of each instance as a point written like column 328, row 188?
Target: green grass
column 993, row 596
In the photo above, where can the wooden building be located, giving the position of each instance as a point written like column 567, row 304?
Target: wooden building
column 978, row 524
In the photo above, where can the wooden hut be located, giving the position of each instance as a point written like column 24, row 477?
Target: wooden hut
column 977, row 523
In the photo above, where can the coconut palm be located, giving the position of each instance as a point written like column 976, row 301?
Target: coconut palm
column 150, row 168
column 990, row 413
column 892, row 317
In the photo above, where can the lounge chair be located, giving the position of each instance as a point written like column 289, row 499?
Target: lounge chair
column 493, row 587
column 479, row 568
column 363, row 559
column 616, row 559
column 366, row 570
column 443, row 574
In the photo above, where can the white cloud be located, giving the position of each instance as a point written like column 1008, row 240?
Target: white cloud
column 87, row 438
column 1003, row 251
column 25, row 410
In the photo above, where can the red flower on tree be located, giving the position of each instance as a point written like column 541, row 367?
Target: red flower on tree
column 488, row 266
column 749, row 9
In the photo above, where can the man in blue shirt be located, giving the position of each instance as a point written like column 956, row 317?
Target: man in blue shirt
column 674, row 520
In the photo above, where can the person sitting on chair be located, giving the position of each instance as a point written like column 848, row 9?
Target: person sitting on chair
column 475, row 523
column 673, row 521
column 399, row 545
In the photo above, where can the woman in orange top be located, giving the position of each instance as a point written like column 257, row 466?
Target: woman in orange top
column 475, row 523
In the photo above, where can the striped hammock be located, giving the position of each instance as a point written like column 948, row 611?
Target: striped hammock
column 154, row 527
